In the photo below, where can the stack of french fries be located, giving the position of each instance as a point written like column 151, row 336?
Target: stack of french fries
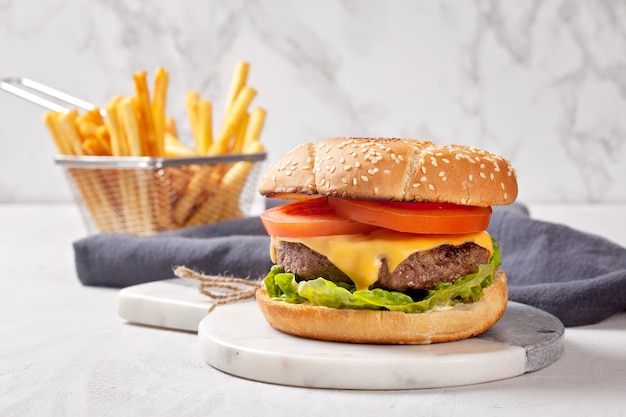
column 148, row 200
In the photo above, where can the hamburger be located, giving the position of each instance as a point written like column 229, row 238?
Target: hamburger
column 385, row 241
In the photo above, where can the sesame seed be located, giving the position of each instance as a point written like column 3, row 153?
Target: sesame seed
column 354, row 181
column 445, row 160
column 357, row 164
column 375, row 190
column 343, row 180
column 364, row 178
column 423, row 178
column 288, row 173
column 482, row 175
column 347, row 168
column 491, row 176
column 470, row 177
column 342, row 160
column 423, row 169
column 442, row 173
column 431, row 187
column 415, row 184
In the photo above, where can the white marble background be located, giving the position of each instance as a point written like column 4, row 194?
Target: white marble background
column 542, row 82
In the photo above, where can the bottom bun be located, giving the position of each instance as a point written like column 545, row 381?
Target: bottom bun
column 388, row 327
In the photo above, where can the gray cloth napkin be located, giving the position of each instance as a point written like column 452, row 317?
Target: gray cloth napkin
column 578, row 277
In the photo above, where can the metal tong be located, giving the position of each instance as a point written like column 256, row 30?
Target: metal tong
column 43, row 95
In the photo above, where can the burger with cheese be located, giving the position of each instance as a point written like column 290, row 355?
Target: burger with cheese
column 385, row 241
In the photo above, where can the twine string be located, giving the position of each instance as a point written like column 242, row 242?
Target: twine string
column 237, row 289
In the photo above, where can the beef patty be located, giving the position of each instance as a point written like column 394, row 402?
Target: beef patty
column 421, row 270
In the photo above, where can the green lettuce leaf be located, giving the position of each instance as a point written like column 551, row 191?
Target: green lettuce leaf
column 322, row 292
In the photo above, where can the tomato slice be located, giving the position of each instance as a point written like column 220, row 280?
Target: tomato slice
column 426, row 218
column 309, row 218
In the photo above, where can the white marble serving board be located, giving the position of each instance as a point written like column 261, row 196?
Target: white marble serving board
column 237, row 340
column 172, row 303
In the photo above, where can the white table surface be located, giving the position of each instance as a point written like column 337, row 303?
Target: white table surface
column 65, row 352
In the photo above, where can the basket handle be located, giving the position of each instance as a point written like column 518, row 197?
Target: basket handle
column 43, row 95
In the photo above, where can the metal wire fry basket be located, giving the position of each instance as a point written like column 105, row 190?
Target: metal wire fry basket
column 145, row 195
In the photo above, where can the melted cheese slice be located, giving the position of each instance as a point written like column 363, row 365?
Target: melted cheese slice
column 360, row 256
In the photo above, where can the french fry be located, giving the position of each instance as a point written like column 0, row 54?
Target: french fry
column 159, row 101
column 91, row 146
column 103, row 134
column 115, row 129
column 51, row 121
column 146, row 204
column 111, row 209
column 205, row 178
column 239, row 78
column 191, row 103
column 126, row 113
column 85, row 127
column 163, row 207
column 67, row 128
column 145, row 120
column 224, row 204
column 231, row 124
column 240, row 136
column 95, row 143
column 205, row 125
column 170, row 126
column 83, row 179
column 174, row 148
column 254, row 147
column 253, row 130
column 94, row 116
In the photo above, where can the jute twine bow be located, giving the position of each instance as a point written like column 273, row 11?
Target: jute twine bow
column 237, row 289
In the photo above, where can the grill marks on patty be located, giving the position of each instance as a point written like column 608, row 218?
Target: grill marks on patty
column 421, row 270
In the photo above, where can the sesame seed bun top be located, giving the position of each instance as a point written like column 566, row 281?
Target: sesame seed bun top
column 392, row 169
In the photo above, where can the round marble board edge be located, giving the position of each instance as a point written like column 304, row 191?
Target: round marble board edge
column 237, row 340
